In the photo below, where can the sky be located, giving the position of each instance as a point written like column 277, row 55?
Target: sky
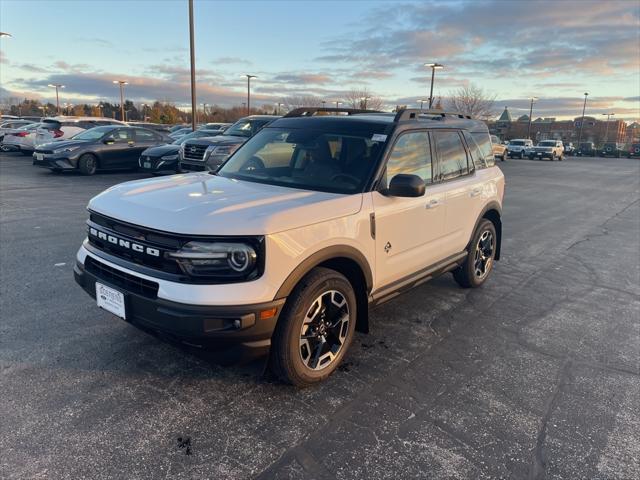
column 553, row 50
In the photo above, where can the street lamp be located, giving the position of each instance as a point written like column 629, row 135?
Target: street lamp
column 249, row 77
column 364, row 99
column 192, row 53
column 338, row 104
column 100, row 107
column 323, row 102
column 584, row 106
column 280, row 104
column 422, row 103
column 533, row 100
column 5, row 34
column 434, row 67
column 204, row 109
column 606, row 132
column 122, row 83
column 57, row 86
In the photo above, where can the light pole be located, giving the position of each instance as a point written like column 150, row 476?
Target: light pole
column 278, row 110
column 606, row 132
column 323, row 102
column 57, row 86
column 422, row 103
column 249, row 77
column 584, row 106
column 100, row 107
column 338, row 104
column 204, row 109
column 192, row 52
column 122, row 83
column 434, row 67
column 364, row 99
column 533, row 100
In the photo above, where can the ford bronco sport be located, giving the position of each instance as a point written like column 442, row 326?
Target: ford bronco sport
column 310, row 223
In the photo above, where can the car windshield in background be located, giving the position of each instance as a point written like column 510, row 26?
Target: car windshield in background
column 93, row 133
column 547, row 144
column 245, row 128
column 516, row 142
column 306, row 159
column 196, row 134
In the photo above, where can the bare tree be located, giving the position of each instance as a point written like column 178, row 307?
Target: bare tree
column 301, row 101
column 355, row 98
column 472, row 100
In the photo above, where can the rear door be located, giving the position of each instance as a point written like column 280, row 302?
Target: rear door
column 408, row 231
column 463, row 187
column 144, row 139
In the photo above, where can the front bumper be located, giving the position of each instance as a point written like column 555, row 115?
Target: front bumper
column 237, row 333
column 157, row 165
column 53, row 162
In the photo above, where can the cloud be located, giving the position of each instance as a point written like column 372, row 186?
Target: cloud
column 230, row 61
column 303, row 78
column 96, row 41
column 76, row 67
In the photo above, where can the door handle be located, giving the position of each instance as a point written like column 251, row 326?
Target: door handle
column 433, row 203
column 475, row 192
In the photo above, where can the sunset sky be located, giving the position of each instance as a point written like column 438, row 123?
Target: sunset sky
column 554, row 50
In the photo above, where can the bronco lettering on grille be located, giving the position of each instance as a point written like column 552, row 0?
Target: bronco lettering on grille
column 121, row 242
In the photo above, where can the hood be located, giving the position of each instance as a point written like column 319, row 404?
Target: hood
column 57, row 144
column 204, row 204
column 217, row 140
column 161, row 150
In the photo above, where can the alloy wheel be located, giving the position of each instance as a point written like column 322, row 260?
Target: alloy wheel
column 324, row 330
column 483, row 259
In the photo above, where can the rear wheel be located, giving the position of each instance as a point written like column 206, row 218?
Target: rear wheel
column 479, row 262
column 504, row 156
column 315, row 329
column 88, row 164
column 521, row 153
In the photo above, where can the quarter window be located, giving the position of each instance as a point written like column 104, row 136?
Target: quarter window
column 411, row 155
column 452, row 157
column 144, row 135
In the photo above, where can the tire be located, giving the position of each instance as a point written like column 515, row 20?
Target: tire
column 504, row 157
column 466, row 275
column 26, row 153
column 521, row 153
column 88, row 164
column 303, row 362
column 561, row 157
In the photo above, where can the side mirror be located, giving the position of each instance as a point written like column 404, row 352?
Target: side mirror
column 403, row 185
column 108, row 141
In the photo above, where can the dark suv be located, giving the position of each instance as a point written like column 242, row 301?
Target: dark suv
column 586, row 149
column 612, row 149
column 210, row 153
column 634, row 150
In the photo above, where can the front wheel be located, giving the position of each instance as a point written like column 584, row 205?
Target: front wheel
column 315, row 329
column 521, row 153
column 479, row 262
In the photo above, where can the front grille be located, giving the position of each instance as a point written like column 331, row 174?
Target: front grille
column 127, row 282
column 194, row 152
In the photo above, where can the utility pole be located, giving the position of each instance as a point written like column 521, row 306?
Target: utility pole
column 584, row 106
column 193, row 68
column 57, row 86
column 434, row 67
column 533, row 99
column 122, row 83
column 249, row 77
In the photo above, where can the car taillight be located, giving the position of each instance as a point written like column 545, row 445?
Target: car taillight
column 57, row 133
column 21, row 134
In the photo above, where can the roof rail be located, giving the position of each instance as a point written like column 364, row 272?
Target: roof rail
column 405, row 114
column 309, row 111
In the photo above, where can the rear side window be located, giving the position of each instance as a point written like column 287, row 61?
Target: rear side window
column 143, row 135
column 452, row 156
column 411, row 155
column 483, row 141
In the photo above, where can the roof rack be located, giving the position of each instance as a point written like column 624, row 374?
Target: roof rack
column 405, row 114
column 310, row 111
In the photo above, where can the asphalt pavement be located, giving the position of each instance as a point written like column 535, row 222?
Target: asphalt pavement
column 534, row 376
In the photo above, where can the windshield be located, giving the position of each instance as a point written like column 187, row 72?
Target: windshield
column 93, row 133
column 547, row 144
column 196, row 134
column 306, row 159
column 516, row 142
column 245, row 128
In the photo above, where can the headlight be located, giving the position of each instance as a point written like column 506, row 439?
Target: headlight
column 170, row 157
column 66, row 149
column 219, row 259
column 220, row 150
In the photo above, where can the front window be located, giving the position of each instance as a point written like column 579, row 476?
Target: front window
column 93, row 133
column 246, row 128
column 547, row 144
column 411, row 155
column 516, row 142
column 307, row 159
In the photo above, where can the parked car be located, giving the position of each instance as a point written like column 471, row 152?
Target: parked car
column 519, row 147
column 158, row 127
column 11, row 125
column 175, row 128
column 551, row 149
column 308, row 224
column 211, row 152
column 586, row 149
column 612, row 149
column 20, row 139
column 181, row 132
column 63, row 127
column 31, row 118
column 214, row 126
column 633, row 150
column 163, row 159
column 499, row 149
column 98, row 148
column 569, row 149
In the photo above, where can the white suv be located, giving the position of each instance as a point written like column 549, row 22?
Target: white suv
column 519, row 147
column 551, row 149
column 312, row 221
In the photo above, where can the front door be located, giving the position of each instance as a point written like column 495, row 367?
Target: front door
column 118, row 151
column 408, row 230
